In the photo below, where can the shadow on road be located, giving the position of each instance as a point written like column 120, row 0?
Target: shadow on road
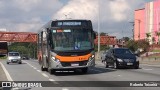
column 16, row 63
column 95, row 70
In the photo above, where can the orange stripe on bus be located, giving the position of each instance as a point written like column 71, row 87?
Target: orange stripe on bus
column 73, row 58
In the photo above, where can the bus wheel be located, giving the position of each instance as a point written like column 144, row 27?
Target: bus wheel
column 42, row 68
column 84, row 70
column 51, row 71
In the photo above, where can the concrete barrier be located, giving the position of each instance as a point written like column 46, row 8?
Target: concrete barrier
column 148, row 60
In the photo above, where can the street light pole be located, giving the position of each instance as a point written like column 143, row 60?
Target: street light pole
column 132, row 29
column 98, row 29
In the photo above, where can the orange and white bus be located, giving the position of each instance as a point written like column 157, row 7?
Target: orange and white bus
column 66, row 44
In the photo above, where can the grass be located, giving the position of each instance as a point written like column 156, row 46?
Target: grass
column 154, row 57
column 155, row 51
column 5, row 57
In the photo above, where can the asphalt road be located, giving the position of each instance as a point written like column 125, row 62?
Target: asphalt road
column 29, row 70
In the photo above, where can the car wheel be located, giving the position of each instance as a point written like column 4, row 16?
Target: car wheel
column 106, row 64
column 115, row 65
column 136, row 67
column 7, row 62
column 20, row 63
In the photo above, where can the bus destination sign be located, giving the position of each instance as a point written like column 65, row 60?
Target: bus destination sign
column 75, row 23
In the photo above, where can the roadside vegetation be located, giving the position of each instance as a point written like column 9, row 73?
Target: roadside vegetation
column 25, row 49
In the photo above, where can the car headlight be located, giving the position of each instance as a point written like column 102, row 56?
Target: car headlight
column 19, row 57
column 119, row 60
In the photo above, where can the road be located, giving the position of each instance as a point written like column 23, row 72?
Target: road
column 29, row 70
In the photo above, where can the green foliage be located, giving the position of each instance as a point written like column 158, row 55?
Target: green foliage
column 132, row 45
column 4, row 57
column 126, row 39
column 28, row 49
column 135, row 45
column 103, row 34
column 102, row 47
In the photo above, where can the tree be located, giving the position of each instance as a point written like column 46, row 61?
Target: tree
column 103, row 34
column 148, row 35
column 158, row 34
column 135, row 45
column 24, row 49
column 153, row 39
column 126, row 39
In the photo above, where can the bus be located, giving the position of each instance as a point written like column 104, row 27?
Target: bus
column 3, row 48
column 66, row 45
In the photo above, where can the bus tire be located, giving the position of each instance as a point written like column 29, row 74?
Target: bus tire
column 51, row 71
column 42, row 68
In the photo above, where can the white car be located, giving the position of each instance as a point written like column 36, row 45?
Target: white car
column 14, row 57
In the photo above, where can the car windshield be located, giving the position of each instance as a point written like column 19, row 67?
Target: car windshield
column 122, row 51
column 13, row 54
column 72, row 39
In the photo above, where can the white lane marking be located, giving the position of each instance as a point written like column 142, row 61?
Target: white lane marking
column 28, row 63
column 6, row 72
column 151, row 65
column 147, row 69
column 52, row 80
column 45, row 75
column 38, row 71
column 119, row 75
column 65, row 89
column 34, row 68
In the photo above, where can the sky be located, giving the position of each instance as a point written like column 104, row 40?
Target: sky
column 30, row 15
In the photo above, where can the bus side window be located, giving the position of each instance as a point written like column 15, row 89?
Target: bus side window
column 44, row 38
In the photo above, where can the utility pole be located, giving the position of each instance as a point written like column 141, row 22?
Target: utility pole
column 132, row 29
column 98, row 29
column 139, row 28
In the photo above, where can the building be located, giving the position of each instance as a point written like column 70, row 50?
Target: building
column 147, row 22
column 106, row 40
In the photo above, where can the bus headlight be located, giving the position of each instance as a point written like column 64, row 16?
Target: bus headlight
column 91, row 58
column 55, row 59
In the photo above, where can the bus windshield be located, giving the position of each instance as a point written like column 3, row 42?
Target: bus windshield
column 72, row 39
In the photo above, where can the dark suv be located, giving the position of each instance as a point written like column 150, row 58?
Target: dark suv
column 121, row 57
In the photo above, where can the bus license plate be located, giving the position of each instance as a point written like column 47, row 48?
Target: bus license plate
column 129, row 63
column 74, row 64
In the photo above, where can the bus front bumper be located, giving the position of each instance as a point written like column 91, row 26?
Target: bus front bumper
column 72, row 65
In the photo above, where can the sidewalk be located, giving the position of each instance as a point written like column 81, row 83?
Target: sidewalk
column 150, row 61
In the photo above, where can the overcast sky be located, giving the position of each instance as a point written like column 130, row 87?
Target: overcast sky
column 30, row 15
